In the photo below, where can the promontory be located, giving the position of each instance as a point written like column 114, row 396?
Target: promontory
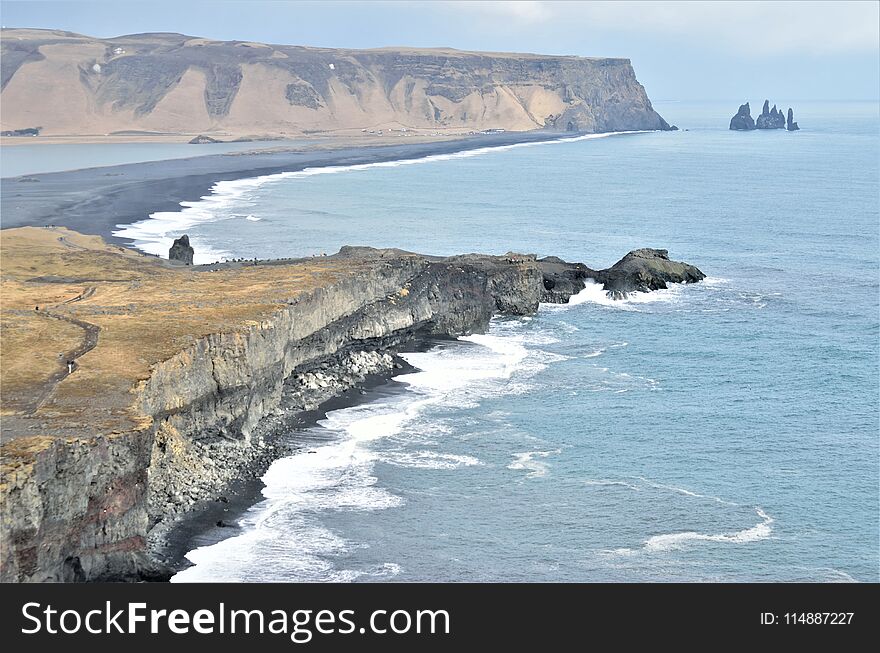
column 135, row 389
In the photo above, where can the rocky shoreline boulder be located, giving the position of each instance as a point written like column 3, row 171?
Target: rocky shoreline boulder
column 561, row 280
column 181, row 251
column 643, row 270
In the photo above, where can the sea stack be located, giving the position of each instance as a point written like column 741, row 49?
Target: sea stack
column 742, row 121
column 181, row 251
column 792, row 125
column 770, row 118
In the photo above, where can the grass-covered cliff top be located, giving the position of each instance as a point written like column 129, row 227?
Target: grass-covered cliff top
column 129, row 311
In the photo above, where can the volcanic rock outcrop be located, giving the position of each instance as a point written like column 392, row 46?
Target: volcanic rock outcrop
column 181, row 251
column 188, row 371
column 770, row 118
column 743, row 121
column 643, row 270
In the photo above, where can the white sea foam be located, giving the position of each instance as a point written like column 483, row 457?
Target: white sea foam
column 680, row 490
column 155, row 234
column 594, row 293
column 526, row 461
column 759, row 531
column 252, row 218
column 429, row 460
column 605, row 482
column 837, row 576
column 287, row 528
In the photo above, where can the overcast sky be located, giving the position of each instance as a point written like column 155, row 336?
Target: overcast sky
column 786, row 51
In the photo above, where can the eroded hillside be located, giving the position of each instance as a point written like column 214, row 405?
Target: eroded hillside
column 69, row 84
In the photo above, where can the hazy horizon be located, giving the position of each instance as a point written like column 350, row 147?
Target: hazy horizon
column 786, row 52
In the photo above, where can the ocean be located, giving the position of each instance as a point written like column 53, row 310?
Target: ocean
column 36, row 158
column 721, row 431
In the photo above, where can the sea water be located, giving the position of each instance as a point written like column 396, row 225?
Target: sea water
column 720, row 431
column 33, row 158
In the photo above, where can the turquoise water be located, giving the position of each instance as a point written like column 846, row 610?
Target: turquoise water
column 726, row 430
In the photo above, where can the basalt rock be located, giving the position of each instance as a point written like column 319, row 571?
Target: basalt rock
column 770, row 118
column 742, row 121
column 792, row 125
column 99, row 505
column 561, row 280
column 644, row 270
column 181, row 251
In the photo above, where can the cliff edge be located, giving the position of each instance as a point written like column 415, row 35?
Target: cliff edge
column 143, row 84
column 134, row 389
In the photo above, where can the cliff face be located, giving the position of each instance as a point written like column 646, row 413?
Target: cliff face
column 72, row 84
column 167, row 407
column 83, row 491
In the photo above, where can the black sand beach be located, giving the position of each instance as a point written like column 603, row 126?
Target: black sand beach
column 96, row 200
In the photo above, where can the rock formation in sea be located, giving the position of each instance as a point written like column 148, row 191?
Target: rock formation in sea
column 192, row 373
column 770, row 118
column 181, row 251
column 643, row 270
column 177, row 84
column 743, row 121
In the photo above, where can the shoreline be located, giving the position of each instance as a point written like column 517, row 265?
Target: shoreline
column 255, row 354
column 216, row 520
column 95, row 200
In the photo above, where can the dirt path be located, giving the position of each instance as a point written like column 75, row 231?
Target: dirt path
column 89, row 342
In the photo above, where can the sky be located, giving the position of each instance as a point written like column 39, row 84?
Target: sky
column 681, row 51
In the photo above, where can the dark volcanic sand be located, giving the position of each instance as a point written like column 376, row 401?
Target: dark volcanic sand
column 96, row 200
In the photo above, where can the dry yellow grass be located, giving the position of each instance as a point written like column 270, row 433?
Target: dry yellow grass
column 145, row 310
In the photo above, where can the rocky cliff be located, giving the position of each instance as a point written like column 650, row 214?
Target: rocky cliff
column 171, row 83
column 167, row 407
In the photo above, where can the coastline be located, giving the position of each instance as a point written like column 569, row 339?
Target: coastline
column 95, row 200
column 214, row 520
column 257, row 352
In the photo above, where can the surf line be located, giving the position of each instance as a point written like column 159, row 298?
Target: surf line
column 155, row 234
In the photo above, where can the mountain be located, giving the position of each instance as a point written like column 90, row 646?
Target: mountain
column 70, row 84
